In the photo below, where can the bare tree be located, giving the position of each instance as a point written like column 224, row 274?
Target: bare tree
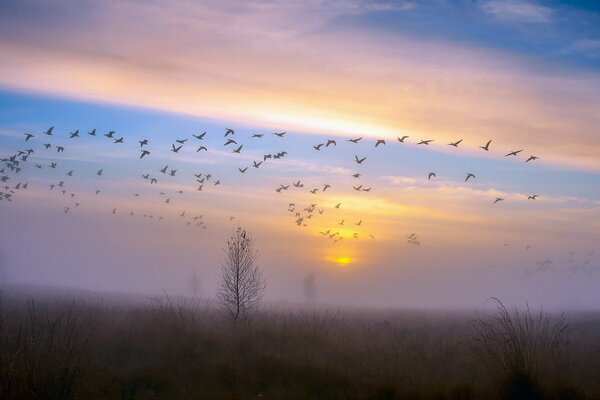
column 242, row 284
column 310, row 288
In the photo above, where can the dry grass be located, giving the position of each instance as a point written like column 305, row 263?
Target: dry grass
column 174, row 348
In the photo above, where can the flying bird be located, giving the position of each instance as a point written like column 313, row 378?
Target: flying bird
column 431, row 175
column 164, row 170
column 469, row 175
column 49, row 131
column 402, row 139
column 99, row 173
column 181, row 141
column 513, row 153
column 498, row 199
column 258, row 135
column 201, row 148
column 243, row 170
column 533, row 197
column 256, row 164
column 143, row 142
column 201, row 136
column 318, row 147
column 531, row 158
column 229, row 132
column 92, row 132
column 298, row 184
column 238, row 149
column 331, row 141
column 355, row 140
column 280, row 134
column 28, row 136
column 110, row 134
column 74, row 134
column 120, row 140
column 230, row 141
column 176, row 149
column 487, row 146
column 425, row 142
column 144, row 153
column 359, row 161
column 455, row 144
column 379, row 141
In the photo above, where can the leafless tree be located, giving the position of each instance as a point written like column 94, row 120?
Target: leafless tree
column 242, row 284
column 310, row 288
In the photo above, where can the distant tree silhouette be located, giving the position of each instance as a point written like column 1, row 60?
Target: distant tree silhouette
column 194, row 283
column 242, row 284
column 310, row 288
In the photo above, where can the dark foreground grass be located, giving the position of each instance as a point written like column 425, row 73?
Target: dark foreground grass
column 176, row 349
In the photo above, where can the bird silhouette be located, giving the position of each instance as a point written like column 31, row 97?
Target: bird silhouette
column 201, row 148
column 99, row 173
column 431, row 175
column 280, row 134
column 338, row 205
column 257, row 135
column 355, row 140
column 230, row 141
column 47, row 145
column 402, row 139
column 200, row 136
column 120, row 140
column 164, row 170
column 531, row 158
column 425, row 142
column 498, row 199
column 318, row 147
column 229, row 131
column 256, row 164
column 533, row 197
column 238, row 149
column 143, row 142
column 49, row 131
column 144, row 153
column 110, row 134
column 28, row 136
column 60, row 149
column 379, row 141
column 359, row 160
column 513, row 153
column 469, row 175
column 487, row 146
column 181, row 141
column 325, row 187
column 92, row 132
column 455, row 144
column 356, row 175
column 357, row 188
column 74, row 134
column 243, row 170
column 331, row 141
column 176, row 149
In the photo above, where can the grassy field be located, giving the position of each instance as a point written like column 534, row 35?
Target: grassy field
column 82, row 347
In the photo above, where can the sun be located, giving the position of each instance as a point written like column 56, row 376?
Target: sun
column 343, row 260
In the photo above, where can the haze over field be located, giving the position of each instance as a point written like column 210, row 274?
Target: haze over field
column 523, row 74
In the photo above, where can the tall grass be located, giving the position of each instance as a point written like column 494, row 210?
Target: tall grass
column 40, row 356
column 519, row 347
column 177, row 348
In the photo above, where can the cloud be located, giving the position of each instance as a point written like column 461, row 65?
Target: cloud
column 288, row 64
column 517, row 11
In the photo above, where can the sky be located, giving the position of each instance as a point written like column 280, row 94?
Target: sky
column 523, row 74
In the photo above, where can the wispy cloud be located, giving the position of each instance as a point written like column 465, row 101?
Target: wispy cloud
column 518, row 11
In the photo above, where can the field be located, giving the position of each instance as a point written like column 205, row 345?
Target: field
column 82, row 346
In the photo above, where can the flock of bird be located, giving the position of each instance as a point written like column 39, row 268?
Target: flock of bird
column 13, row 165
